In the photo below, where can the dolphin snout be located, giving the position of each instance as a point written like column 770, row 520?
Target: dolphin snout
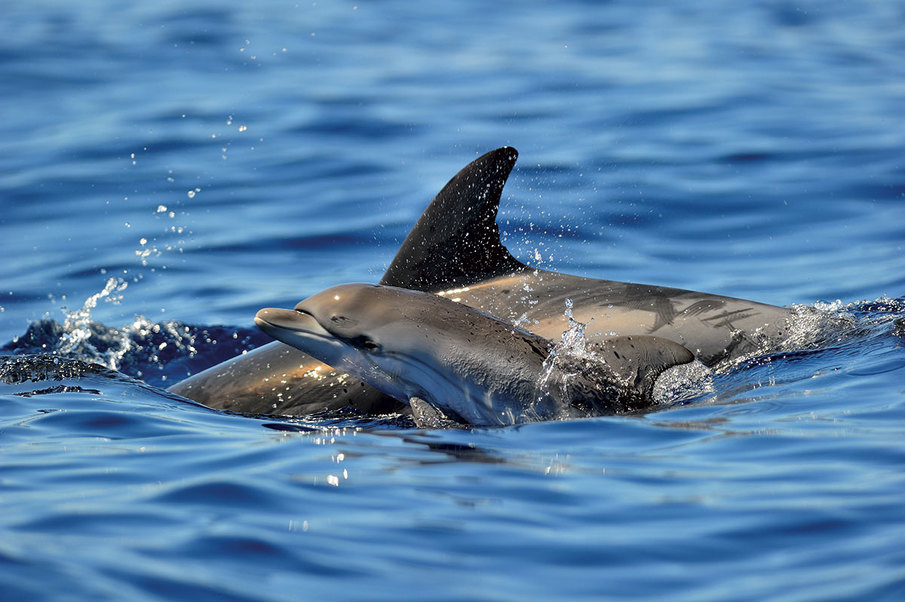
column 271, row 318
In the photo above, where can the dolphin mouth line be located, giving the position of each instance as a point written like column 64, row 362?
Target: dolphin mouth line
column 307, row 326
column 262, row 323
column 325, row 332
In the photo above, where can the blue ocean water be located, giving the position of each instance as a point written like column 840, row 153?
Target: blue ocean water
column 168, row 168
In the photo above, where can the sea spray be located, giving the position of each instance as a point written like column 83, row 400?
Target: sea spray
column 172, row 348
column 572, row 344
column 78, row 329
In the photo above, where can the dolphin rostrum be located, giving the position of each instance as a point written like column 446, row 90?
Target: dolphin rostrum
column 453, row 362
column 455, row 251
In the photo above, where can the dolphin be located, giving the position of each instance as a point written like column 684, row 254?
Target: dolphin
column 454, row 251
column 454, row 363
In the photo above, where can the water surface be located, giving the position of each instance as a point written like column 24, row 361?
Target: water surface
column 167, row 169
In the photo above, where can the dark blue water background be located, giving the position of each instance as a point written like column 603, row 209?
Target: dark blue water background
column 168, row 168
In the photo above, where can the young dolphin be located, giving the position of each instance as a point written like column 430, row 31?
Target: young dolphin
column 453, row 362
column 455, row 251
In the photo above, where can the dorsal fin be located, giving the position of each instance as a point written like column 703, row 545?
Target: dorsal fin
column 457, row 241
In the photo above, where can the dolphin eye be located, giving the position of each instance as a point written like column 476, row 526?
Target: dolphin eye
column 366, row 343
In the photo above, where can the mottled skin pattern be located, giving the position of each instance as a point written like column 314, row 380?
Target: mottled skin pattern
column 456, row 245
column 712, row 327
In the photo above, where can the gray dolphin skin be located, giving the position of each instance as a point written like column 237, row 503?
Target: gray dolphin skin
column 454, row 363
column 454, row 251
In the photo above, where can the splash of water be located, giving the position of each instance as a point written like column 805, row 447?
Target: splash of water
column 83, row 338
column 77, row 328
column 573, row 338
column 811, row 327
column 680, row 383
column 572, row 345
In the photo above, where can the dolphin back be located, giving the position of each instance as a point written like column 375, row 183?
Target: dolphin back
column 617, row 375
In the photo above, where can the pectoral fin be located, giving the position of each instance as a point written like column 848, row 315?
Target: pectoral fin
column 428, row 416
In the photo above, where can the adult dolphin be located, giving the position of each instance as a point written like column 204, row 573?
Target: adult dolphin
column 451, row 362
column 455, row 251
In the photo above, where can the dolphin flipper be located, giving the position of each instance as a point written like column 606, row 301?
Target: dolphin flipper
column 457, row 241
column 428, row 416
